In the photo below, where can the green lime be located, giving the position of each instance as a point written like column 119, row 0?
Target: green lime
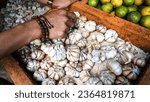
column 128, row 2
column 121, row 11
column 132, row 8
column 147, row 2
column 145, row 11
column 93, row 3
column 99, row 6
column 138, row 2
column 104, row 1
column 145, row 21
column 117, row 3
column 134, row 16
column 108, row 7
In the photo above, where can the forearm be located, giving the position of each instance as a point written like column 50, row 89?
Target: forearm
column 18, row 36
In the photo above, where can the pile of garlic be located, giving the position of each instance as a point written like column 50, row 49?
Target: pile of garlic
column 91, row 54
column 19, row 11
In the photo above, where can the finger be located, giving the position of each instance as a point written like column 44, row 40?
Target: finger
column 72, row 16
column 70, row 23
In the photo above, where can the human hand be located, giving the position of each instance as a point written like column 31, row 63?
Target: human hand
column 57, row 4
column 61, row 20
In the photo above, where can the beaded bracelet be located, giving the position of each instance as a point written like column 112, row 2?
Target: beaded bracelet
column 44, row 24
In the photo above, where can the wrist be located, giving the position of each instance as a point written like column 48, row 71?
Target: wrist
column 33, row 29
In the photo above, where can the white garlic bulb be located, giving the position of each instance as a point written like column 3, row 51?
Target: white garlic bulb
column 61, row 63
column 33, row 65
column 84, row 32
column 66, row 81
column 114, row 66
column 139, row 61
column 77, row 14
column 107, row 77
column 93, row 81
column 48, row 81
column 111, row 35
column 88, row 65
column 75, row 36
column 90, row 25
column 122, row 80
column 56, row 72
column 96, row 55
column 84, row 76
column 37, row 55
column 46, row 63
column 131, row 71
column 126, row 57
column 97, row 36
column 73, row 53
column 36, row 42
column 101, row 28
column 82, row 42
column 40, row 75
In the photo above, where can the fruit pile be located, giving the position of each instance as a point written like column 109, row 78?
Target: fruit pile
column 136, row 11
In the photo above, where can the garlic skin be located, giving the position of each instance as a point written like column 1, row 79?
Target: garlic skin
column 33, row 65
column 121, row 80
column 66, row 81
column 56, row 72
column 40, row 75
column 101, row 28
column 114, row 66
column 107, row 77
column 48, row 81
column 90, row 25
column 93, row 81
column 37, row 55
column 131, row 71
column 73, row 53
column 111, row 35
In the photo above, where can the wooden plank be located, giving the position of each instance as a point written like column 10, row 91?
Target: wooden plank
column 16, row 73
column 128, row 31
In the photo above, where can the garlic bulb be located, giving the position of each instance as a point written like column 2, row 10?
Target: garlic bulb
column 97, row 36
column 46, row 63
column 114, row 66
column 61, row 63
column 48, row 81
column 88, row 65
column 75, row 36
column 71, row 71
column 121, row 80
column 66, row 81
column 77, row 14
column 131, row 71
column 81, row 43
column 33, row 65
column 111, row 35
column 96, row 55
column 37, row 55
column 84, row 76
column 73, row 53
column 40, row 75
column 82, row 56
column 110, row 52
column 101, row 28
column 84, row 32
column 97, row 68
column 107, row 77
column 36, row 42
column 126, row 57
column 56, row 72
column 139, row 61
column 90, row 25
column 83, row 18
column 93, row 81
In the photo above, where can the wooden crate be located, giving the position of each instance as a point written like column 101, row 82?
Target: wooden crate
column 138, row 35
